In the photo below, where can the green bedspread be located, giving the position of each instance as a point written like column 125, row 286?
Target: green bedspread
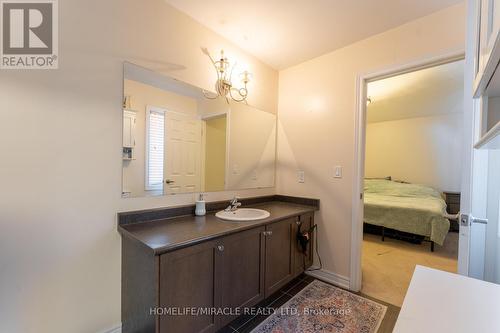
column 410, row 208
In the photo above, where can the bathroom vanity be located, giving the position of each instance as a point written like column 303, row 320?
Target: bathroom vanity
column 181, row 271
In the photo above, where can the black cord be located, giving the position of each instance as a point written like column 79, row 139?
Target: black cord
column 317, row 253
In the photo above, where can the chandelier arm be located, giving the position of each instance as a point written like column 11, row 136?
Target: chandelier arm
column 240, row 99
column 211, row 59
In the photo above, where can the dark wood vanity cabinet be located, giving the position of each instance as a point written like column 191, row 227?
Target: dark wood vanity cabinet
column 222, row 274
column 280, row 251
column 242, row 270
column 234, row 271
column 190, row 278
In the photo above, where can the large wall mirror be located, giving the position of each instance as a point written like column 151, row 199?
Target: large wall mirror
column 176, row 140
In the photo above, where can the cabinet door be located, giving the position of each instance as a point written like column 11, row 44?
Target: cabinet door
column 127, row 131
column 129, row 124
column 489, row 28
column 189, row 279
column 242, row 270
column 279, row 254
column 304, row 260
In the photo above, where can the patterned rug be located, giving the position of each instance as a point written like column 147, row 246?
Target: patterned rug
column 321, row 307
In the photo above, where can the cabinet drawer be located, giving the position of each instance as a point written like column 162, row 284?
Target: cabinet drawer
column 453, row 198
column 453, row 208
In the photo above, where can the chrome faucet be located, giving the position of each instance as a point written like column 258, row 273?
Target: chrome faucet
column 233, row 205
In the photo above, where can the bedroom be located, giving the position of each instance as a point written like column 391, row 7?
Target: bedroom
column 412, row 181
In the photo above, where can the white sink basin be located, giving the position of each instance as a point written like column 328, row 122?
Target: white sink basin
column 243, row 214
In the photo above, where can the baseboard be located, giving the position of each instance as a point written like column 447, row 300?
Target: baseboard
column 330, row 277
column 116, row 329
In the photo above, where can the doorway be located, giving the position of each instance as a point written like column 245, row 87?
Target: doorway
column 408, row 130
column 214, row 163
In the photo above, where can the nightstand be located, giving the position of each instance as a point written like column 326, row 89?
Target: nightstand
column 453, row 207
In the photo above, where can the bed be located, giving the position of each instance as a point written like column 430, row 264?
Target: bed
column 409, row 208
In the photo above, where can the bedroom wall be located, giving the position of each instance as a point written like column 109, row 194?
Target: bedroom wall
column 424, row 150
column 317, row 105
column 60, row 170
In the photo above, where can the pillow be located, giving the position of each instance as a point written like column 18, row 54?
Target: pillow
column 384, row 178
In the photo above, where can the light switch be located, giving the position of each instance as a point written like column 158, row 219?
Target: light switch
column 338, row 171
column 254, row 175
column 301, row 177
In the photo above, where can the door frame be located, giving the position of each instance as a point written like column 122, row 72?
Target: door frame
column 360, row 144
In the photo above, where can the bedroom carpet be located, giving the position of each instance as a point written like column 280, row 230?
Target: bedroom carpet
column 388, row 266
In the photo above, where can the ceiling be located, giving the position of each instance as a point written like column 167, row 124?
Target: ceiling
column 427, row 92
column 283, row 33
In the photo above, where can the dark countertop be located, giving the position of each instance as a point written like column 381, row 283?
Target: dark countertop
column 170, row 234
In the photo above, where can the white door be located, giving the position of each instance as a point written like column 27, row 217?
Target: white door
column 473, row 205
column 182, row 165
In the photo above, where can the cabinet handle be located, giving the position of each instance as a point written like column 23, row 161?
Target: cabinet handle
column 220, row 248
column 267, row 233
column 298, row 222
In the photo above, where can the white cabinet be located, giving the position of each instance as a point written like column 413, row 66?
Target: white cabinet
column 488, row 28
column 487, row 75
column 487, row 44
column 129, row 128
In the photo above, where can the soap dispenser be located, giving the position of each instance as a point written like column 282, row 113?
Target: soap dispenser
column 200, row 206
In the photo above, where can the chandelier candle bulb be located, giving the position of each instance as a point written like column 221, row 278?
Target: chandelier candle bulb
column 224, row 85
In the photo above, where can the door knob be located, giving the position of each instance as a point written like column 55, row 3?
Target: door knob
column 478, row 220
column 465, row 219
column 220, row 248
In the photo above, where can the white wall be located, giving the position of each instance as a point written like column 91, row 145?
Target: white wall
column 317, row 105
column 60, row 148
column 425, row 150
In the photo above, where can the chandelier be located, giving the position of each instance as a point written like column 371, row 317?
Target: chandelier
column 224, row 85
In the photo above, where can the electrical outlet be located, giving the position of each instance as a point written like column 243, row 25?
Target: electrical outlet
column 338, row 172
column 301, row 177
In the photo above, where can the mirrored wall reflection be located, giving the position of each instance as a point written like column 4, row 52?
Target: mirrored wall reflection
column 175, row 140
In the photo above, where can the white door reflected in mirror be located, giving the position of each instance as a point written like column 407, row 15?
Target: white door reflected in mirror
column 185, row 143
